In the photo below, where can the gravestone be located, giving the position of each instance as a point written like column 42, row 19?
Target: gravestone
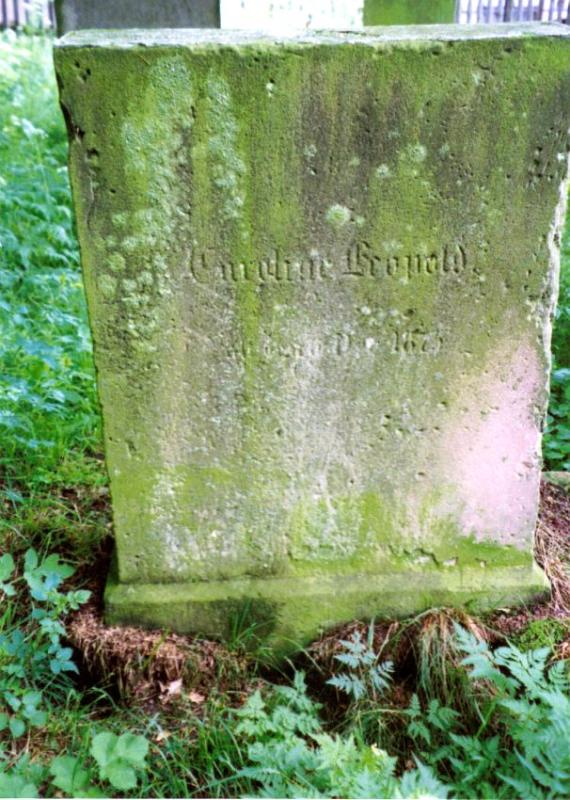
column 321, row 272
column 408, row 12
column 74, row 15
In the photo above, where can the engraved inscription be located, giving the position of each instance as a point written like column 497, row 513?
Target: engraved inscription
column 412, row 343
column 277, row 268
column 416, row 342
column 360, row 261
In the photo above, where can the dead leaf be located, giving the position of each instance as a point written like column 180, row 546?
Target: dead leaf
column 174, row 688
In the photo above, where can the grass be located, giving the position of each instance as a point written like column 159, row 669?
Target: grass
column 184, row 695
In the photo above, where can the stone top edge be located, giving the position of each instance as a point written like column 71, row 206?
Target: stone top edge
column 197, row 37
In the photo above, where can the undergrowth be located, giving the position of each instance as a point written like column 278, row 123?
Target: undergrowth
column 556, row 441
column 49, row 420
column 52, row 481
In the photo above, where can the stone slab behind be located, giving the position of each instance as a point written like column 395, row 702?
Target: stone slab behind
column 257, row 14
column 74, row 15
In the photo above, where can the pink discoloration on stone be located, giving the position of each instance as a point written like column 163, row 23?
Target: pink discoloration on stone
column 494, row 448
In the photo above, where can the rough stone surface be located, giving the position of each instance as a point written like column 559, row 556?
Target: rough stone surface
column 408, row 12
column 74, row 15
column 321, row 273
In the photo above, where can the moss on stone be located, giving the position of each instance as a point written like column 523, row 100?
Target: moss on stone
column 289, row 613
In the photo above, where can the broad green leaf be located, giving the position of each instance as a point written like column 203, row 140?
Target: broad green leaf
column 121, row 775
column 69, row 776
column 15, row 786
column 37, row 717
column 103, row 747
column 6, row 567
column 30, row 560
column 132, row 748
column 17, row 727
column 53, row 566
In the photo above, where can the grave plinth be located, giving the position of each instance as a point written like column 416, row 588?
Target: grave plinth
column 321, row 273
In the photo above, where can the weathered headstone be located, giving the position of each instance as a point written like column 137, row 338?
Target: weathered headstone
column 72, row 15
column 408, row 12
column 321, row 273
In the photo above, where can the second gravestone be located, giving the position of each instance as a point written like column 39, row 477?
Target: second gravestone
column 74, row 15
column 321, row 273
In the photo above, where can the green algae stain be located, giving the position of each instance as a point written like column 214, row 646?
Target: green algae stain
column 349, row 533
column 228, row 172
column 366, row 533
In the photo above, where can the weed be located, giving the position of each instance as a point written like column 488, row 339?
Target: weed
column 366, row 678
column 365, row 681
column 547, row 632
column 49, row 414
column 289, row 755
column 33, row 660
column 556, row 441
column 521, row 744
column 437, row 658
column 118, row 759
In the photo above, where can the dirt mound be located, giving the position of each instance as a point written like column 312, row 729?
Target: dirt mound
column 155, row 665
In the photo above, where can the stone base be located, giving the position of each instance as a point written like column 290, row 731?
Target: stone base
column 290, row 612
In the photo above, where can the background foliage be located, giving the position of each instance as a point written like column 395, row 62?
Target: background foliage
column 48, row 407
column 556, row 446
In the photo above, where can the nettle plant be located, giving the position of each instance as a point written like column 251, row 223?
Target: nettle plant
column 34, row 667
column 119, row 760
column 33, row 659
column 113, row 763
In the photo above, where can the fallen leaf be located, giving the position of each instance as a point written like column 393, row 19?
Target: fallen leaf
column 174, row 688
